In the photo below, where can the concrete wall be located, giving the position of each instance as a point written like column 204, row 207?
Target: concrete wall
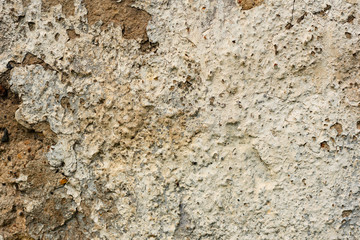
column 180, row 119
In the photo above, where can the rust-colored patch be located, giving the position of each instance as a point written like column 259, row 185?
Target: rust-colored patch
column 133, row 21
column 337, row 127
column 72, row 34
column 249, row 4
column 68, row 7
column 63, row 181
column 324, row 145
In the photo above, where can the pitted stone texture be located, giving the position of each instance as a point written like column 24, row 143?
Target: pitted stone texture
column 238, row 126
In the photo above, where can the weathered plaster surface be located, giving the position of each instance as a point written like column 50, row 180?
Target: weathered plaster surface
column 228, row 124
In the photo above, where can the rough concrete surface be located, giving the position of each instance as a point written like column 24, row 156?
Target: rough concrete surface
column 164, row 119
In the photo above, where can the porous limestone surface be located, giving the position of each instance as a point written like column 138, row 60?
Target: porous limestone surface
column 236, row 123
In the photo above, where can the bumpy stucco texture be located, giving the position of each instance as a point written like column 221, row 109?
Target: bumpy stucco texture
column 216, row 119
